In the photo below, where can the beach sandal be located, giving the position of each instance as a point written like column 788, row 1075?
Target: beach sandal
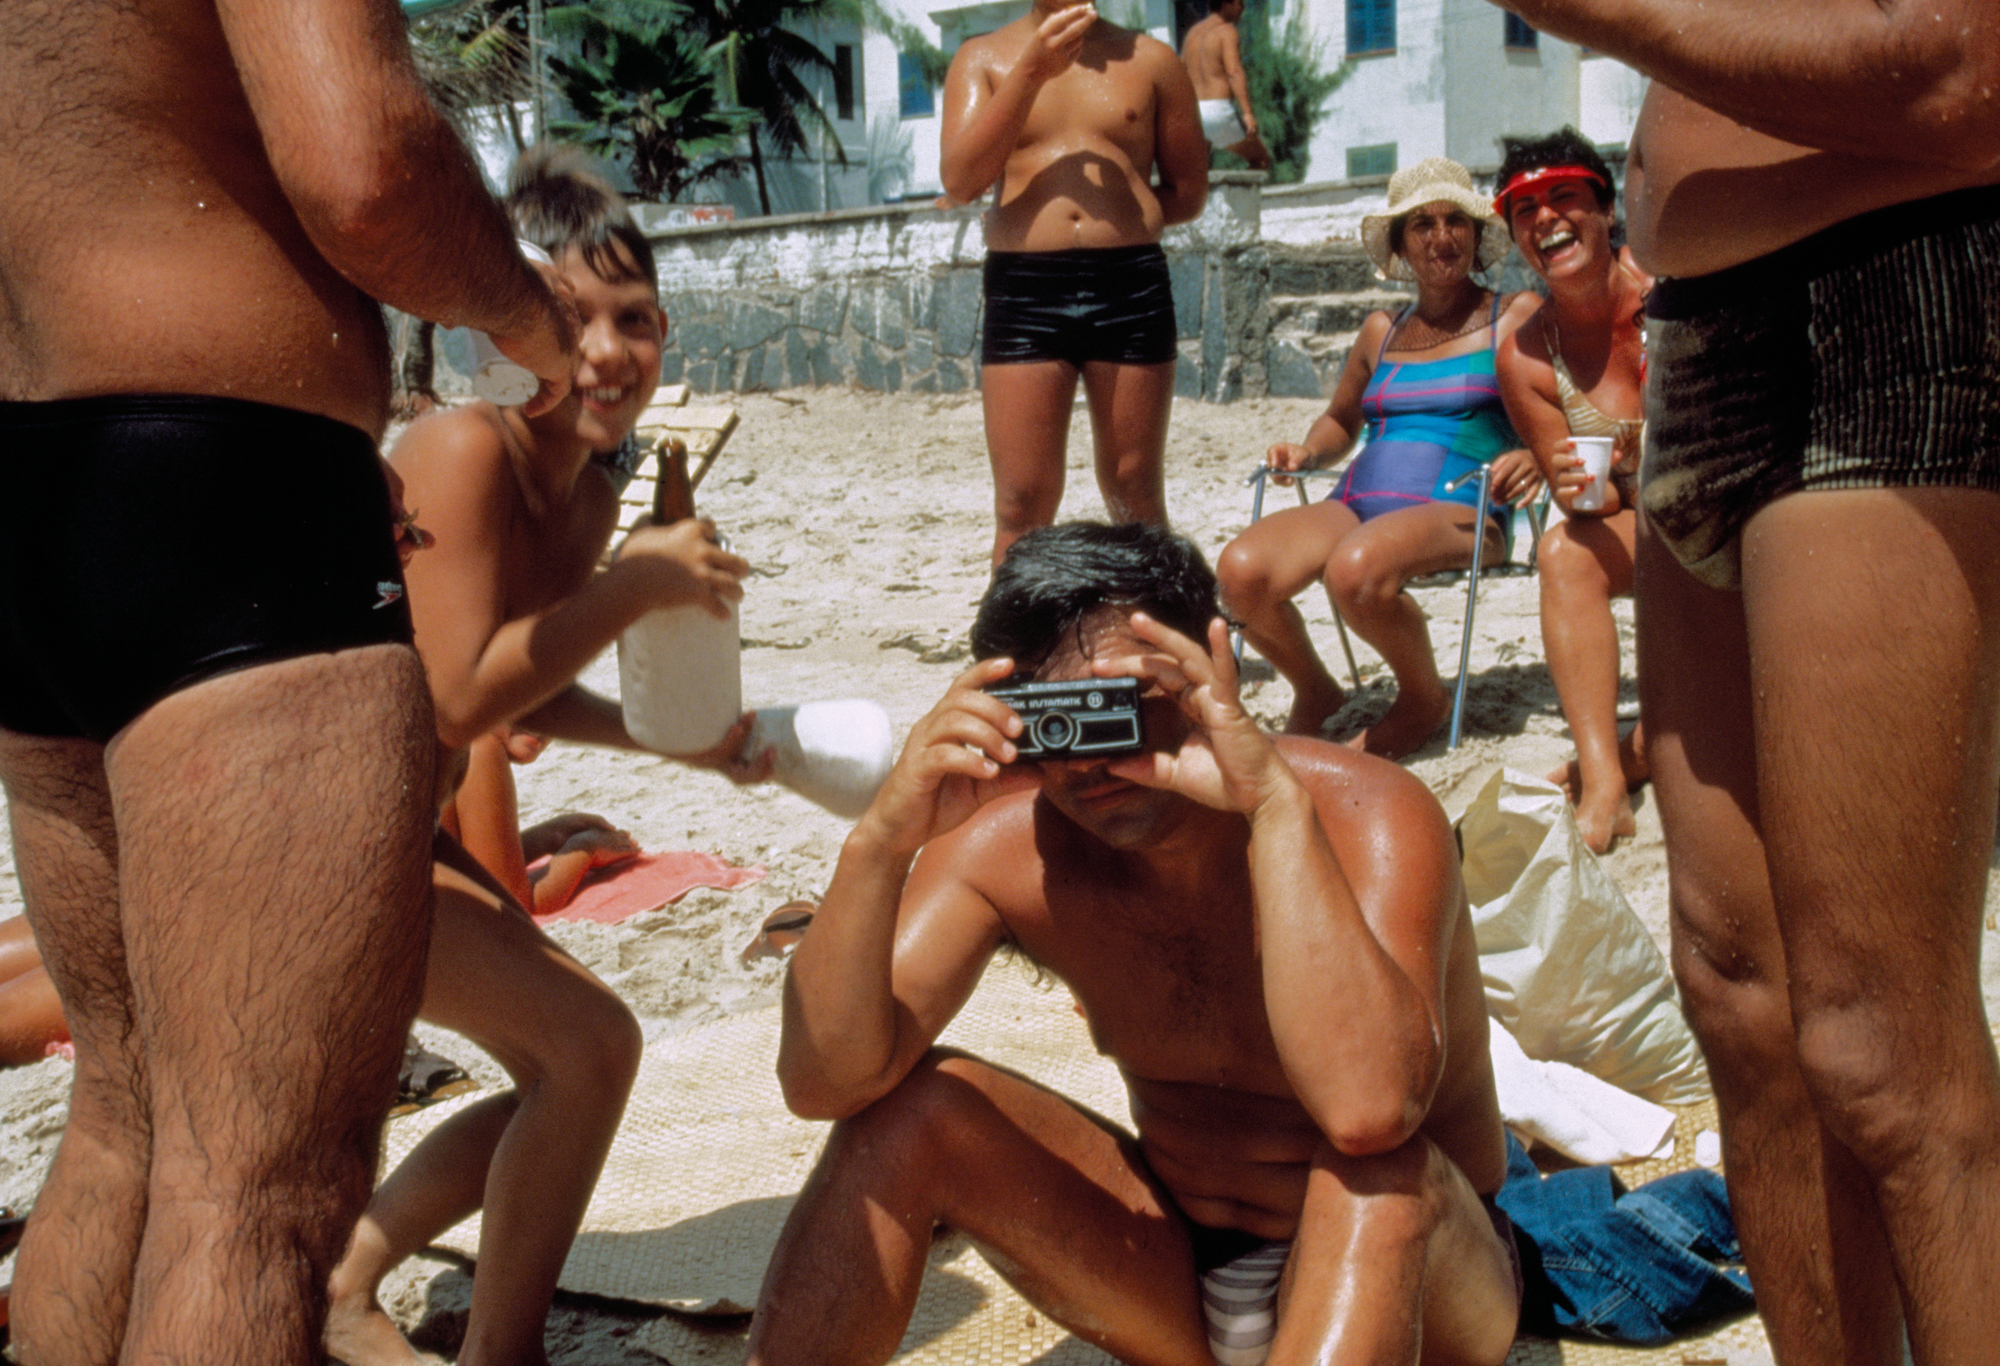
column 781, row 929
column 427, row 1079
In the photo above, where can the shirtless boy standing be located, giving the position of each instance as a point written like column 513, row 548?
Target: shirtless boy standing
column 1818, row 182
column 1268, row 937
column 1072, row 118
column 509, row 607
column 1213, row 51
column 213, row 732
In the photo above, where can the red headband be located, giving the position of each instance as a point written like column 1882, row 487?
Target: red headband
column 1523, row 179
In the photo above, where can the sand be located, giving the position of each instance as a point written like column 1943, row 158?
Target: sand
column 868, row 518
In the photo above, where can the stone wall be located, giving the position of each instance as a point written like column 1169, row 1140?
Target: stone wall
column 889, row 299
column 1270, row 286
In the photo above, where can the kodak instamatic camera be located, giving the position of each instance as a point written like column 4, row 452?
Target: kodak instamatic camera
column 1084, row 719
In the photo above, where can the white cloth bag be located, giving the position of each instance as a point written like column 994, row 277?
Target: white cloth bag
column 1569, row 969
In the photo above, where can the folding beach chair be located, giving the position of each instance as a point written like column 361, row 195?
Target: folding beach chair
column 1537, row 513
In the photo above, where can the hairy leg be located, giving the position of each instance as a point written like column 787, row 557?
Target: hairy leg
column 1873, row 621
column 1129, row 409
column 1259, row 572
column 73, row 1278
column 1058, row 1201
column 273, row 834
column 1396, row 1260
column 1584, row 563
column 1365, row 578
column 1795, row 1193
column 1027, row 406
column 529, row 1159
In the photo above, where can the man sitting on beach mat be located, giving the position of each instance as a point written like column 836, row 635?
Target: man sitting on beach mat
column 1268, row 936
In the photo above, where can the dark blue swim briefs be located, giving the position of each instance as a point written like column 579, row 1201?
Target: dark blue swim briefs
column 149, row 542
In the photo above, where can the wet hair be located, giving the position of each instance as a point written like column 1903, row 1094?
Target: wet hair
column 1056, row 576
column 559, row 199
column 1565, row 147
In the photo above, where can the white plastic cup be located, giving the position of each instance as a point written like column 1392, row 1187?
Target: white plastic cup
column 495, row 378
column 834, row 753
column 1596, row 453
column 680, row 679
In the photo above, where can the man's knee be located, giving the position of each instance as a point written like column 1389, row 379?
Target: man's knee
column 923, row 1132
column 1880, row 1095
column 1733, row 994
column 1392, row 1200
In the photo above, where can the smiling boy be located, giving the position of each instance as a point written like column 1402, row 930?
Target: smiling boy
column 509, row 606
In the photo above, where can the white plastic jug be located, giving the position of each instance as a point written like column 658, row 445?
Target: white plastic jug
column 834, row 753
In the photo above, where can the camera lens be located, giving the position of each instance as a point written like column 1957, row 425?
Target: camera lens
column 1055, row 730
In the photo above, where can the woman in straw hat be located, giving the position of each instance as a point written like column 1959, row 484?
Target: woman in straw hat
column 1423, row 385
column 1576, row 370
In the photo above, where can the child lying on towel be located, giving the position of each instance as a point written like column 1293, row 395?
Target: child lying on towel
column 509, row 607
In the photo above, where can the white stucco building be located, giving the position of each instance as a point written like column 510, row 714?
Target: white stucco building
column 1426, row 78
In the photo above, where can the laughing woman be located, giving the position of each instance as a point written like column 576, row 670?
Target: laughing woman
column 1422, row 384
column 1576, row 370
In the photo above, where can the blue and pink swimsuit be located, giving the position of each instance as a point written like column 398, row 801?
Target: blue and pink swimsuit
column 1428, row 423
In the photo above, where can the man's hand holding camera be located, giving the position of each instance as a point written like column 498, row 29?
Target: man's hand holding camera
column 1226, row 760
column 952, row 764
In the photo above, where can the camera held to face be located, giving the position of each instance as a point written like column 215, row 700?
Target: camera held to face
column 1088, row 718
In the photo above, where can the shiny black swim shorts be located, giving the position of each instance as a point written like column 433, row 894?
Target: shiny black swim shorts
column 151, row 541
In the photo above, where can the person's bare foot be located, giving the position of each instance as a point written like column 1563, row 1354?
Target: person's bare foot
column 1411, row 720
column 358, row 1333
column 1311, row 706
column 1631, row 762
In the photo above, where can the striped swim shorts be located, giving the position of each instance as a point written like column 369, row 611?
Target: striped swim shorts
column 1239, row 1299
column 1865, row 356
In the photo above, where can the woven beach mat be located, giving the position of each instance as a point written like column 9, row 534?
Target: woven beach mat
column 708, row 1160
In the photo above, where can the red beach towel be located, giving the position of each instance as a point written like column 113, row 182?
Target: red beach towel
column 647, row 883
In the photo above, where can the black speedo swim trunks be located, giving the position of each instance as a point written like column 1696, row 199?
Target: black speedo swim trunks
column 1864, row 356
column 148, row 542
column 1090, row 303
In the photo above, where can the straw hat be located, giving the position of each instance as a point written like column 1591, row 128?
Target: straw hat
column 1433, row 180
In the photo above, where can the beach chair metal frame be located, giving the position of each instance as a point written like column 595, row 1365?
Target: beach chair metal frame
column 1537, row 515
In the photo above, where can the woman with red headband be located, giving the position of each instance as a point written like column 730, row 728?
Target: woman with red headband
column 1422, row 383
column 1576, row 370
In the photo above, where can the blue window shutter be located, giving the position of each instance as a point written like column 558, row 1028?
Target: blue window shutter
column 913, row 89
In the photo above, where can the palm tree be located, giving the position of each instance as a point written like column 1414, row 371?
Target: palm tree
column 762, row 63
column 646, row 93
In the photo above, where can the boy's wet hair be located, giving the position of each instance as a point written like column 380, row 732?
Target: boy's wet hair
column 560, row 199
column 1054, row 577
column 1564, row 147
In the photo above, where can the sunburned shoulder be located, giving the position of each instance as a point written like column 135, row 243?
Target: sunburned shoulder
column 1523, row 345
column 1357, row 790
column 456, row 457
column 456, row 434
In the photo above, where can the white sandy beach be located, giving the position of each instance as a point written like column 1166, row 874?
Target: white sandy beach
column 868, row 518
